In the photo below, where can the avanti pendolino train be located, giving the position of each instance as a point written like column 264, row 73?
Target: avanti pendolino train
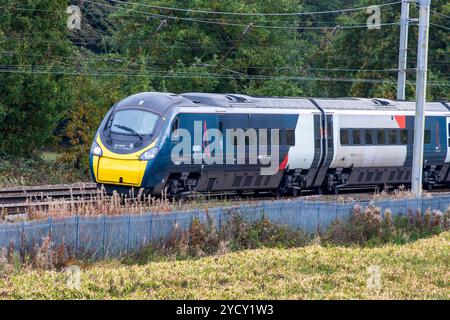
column 324, row 144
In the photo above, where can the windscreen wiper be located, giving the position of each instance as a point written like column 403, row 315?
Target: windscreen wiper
column 129, row 130
column 110, row 125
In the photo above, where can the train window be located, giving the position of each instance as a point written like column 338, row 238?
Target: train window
column 329, row 127
column 393, row 136
column 449, row 134
column 427, row 136
column 134, row 122
column 290, row 137
column 404, row 136
column 175, row 126
column 369, row 137
column 381, row 137
column 356, row 136
column 344, row 137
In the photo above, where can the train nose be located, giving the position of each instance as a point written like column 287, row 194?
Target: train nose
column 120, row 171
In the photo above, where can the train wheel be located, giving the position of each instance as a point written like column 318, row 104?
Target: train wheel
column 180, row 196
column 278, row 193
column 336, row 190
column 320, row 191
column 295, row 192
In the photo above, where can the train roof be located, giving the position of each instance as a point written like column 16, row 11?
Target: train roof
column 160, row 102
column 244, row 101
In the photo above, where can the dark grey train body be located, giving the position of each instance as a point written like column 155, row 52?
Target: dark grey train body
column 324, row 144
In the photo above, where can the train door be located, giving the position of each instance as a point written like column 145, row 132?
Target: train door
column 435, row 140
column 447, row 126
column 318, row 149
column 327, row 150
column 197, row 125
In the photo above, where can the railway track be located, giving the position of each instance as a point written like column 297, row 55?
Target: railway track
column 17, row 200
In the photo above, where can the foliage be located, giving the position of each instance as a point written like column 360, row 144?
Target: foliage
column 35, row 171
column 236, row 233
column 369, row 227
column 30, row 104
column 377, row 50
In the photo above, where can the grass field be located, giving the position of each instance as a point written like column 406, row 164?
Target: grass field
column 418, row 270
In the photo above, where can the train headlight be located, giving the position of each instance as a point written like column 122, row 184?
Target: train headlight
column 96, row 150
column 149, row 154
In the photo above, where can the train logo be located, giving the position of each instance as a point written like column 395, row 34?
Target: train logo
column 248, row 146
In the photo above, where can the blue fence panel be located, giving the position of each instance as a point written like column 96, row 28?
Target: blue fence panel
column 309, row 217
column 327, row 214
column 64, row 231
column 344, row 211
column 216, row 216
column 412, row 205
column 184, row 219
column 11, row 235
column 90, row 236
column 35, row 232
column 200, row 215
column 162, row 226
column 139, row 231
column 117, row 235
column 253, row 212
column 432, row 204
column 227, row 213
column 444, row 203
column 397, row 208
column 284, row 213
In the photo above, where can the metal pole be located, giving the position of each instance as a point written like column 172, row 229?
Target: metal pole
column 421, row 86
column 403, row 50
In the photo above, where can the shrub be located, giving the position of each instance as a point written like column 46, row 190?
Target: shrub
column 236, row 233
column 370, row 228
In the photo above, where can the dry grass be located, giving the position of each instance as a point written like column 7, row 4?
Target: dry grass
column 418, row 270
column 101, row 204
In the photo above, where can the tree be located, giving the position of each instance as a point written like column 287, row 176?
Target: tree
column 225, row 55
column 31, row 44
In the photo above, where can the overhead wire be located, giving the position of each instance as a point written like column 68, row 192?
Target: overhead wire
column 253, row 14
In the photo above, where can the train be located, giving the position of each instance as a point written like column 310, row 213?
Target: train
column 180, row 144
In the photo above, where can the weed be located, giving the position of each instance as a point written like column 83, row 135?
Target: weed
column 369, row 228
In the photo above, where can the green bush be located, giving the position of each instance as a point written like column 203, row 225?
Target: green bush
column 34, row 170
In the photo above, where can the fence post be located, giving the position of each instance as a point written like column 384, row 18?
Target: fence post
column 22, row 238
column 104, row 236
column 77, row 233
column 300, row 212
column 150, row 229
column 49, row 226
column 318, row 219
column 220, row 219
column 128, row 233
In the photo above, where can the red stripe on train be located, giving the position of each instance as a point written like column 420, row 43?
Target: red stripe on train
column 284, row 163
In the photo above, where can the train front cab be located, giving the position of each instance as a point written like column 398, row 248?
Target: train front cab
column 125, row 147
